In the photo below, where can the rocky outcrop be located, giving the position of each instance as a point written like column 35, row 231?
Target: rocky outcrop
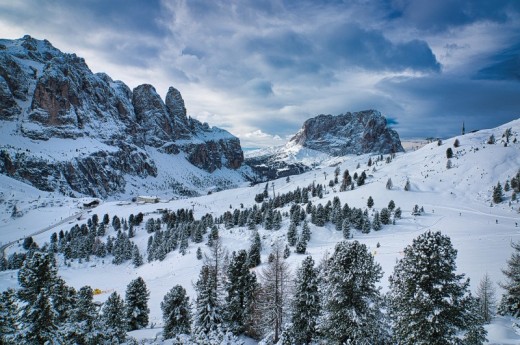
column 322, row 138
column 46, row 94
column 349, row 133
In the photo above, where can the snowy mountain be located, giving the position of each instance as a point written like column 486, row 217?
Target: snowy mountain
column 456, row 198
column 67, row 129
column 324, row 138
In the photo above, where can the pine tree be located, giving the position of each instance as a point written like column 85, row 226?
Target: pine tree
column 434, row 308
column 389, row 184
column 301, row 245
column 376, row 222
column 486, row 298
column 64, row 300
column 306, row 232
column 306, row 303
column 253, row 256
column 213, row 235
column 241, row 287
column 137, row 258
column 113, row 319
column 385, row 216
column 83, row 324
column 38, row 273
column 176, row 312
column 370, row 202
column 351, row 300
column 345, row 228
column 208, row 308
column 106, row 219
column 8, row 316
column 37, row 322
column 136, row 304
column 286, row 252
column 366, row 225
column 510, row 302
column 292, row 234
column 498, row 194
column 407, row 186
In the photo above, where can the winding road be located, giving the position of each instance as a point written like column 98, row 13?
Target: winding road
column 52, row 226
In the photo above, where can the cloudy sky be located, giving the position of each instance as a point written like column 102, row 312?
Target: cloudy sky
column 260, row 68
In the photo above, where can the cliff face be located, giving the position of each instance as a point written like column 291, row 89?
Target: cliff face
column 349, row 133
column 49, row 96
column 324, row 137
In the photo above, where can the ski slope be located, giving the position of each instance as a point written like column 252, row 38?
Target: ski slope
column 456, row 201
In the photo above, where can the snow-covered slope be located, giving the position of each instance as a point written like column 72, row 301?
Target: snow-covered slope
column 456, row 201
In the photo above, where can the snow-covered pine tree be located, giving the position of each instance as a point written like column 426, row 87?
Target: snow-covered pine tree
column 510, row 302
column 486, row 298
column 176, row 312
column 306, row 232
column 434, row 308
column 389, row 184
column 240, row 289
column 83, row 325
column 137, row 258
column 113, row 319
column 306, row 303
column 253, row 256
column 208, row 315
column 376, row 222
column 351, row 301
column 8, row 316
column 345, row 228
column 498, row 194
column 384, row 216
column 301, row 245
column 64, row 300
column 37, row 273
column 370, row 202
column 292, row 234
column 286, row 252
column 367, row 225
column 38, row 322
column 136, row 304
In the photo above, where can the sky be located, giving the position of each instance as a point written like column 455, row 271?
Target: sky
column 260, row 68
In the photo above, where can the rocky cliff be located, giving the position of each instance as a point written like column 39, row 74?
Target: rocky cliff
column 51, row 102
column 324, row 138
column 349, row 133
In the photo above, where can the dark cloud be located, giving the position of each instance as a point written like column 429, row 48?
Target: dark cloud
column 437, row 105
column 269, row 65
column 505, row 65
column 370, row 49
column 441, row 15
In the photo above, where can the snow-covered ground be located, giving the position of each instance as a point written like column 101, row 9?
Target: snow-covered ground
column 456, row 201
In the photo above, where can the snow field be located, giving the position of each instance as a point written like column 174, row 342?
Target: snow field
column 456, row 202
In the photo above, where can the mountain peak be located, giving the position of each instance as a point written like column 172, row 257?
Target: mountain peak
column 350, row 133
column 49, row 96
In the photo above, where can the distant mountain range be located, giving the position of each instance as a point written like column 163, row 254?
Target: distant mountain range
column 67, row 129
